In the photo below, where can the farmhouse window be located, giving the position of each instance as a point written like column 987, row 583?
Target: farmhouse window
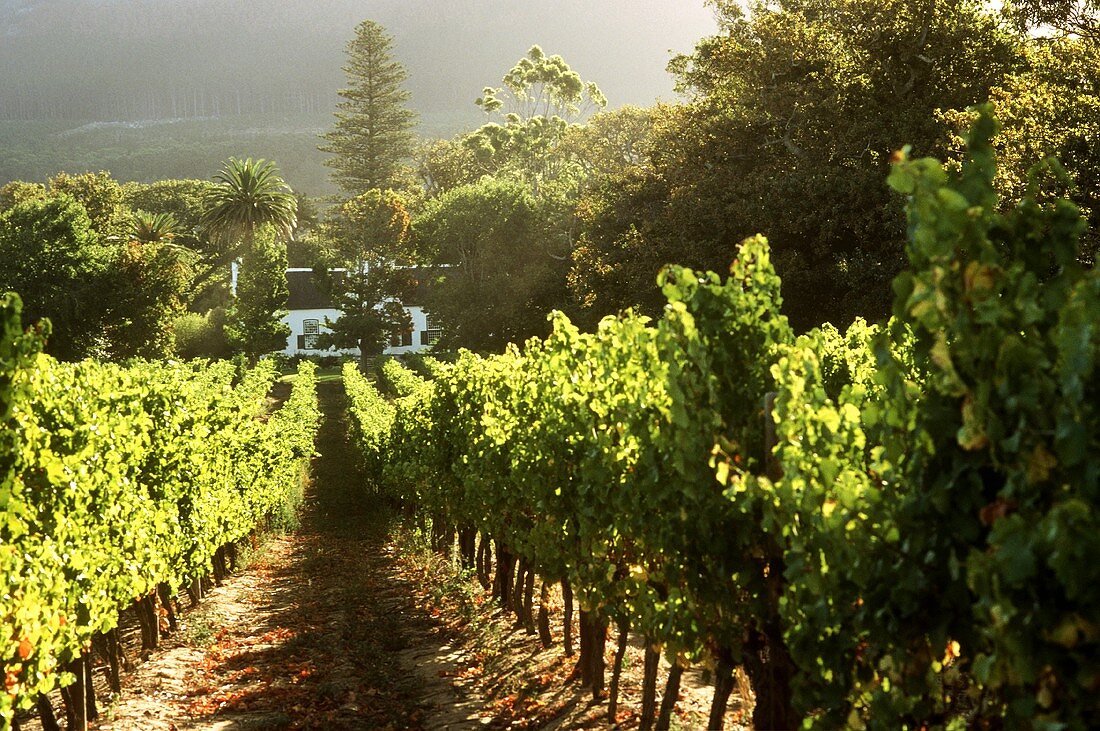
column 432, row 332
column 402, row 339
column 310, row 330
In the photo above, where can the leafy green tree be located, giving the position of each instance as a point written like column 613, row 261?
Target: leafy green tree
column 540, row 144
column 56, row 263
column 154, row 228
column 254, row 324
column 18, row 191
column 373, row 137
column 184, row 200
column 540, row 98
column 443, row 165
column 505, row 270
column 609, row 142
column 369, row 240
column 201, row 336
column 1052, row 110
column 101, row 195
column 542, row 86
column 1077, row 17
column 151, row 279
column 794, row 111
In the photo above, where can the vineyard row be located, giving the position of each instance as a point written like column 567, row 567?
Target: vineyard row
column 119, row 486
column 926, row 550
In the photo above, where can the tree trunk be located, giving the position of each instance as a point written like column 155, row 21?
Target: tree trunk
column 517, row 590
column 771, row 671
column 116, row 660
column 101, row 645
column 567, row 600
column 723, row 686
column 649, row 685
column 479, row 563
column 598, row 646
column 617, row 670
column 544, row 616
column 147, row 619
column 194, row 592
column 45, row 713
column 232, row 553
column 467, row 546
column 485, row 562
column 75, row 696
column 767, row 660
column 583, row 668
column 165, row 594
column 219, row 566
column 506, row 565
column 671, row 696
column 154, row 618
column 91, row 711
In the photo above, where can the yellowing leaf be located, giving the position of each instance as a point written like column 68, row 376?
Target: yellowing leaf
column 1040, row 464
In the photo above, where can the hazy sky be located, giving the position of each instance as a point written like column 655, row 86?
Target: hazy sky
column 452, row 48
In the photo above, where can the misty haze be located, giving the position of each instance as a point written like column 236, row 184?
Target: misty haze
column 91, row 84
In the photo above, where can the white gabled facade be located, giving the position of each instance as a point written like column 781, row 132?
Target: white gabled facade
column 308, row 314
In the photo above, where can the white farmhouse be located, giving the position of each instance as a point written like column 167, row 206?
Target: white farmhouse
column 309, row 307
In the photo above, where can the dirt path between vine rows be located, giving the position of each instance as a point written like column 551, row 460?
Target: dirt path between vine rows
column 315, row 633
column 345, row 624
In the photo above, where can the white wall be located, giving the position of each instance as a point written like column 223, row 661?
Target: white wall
column 296, row 319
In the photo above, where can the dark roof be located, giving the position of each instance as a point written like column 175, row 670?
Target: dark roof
column 304, row 292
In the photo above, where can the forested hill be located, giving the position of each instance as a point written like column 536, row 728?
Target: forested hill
column 135, row 60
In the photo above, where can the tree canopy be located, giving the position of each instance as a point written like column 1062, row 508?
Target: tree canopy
column 500, row 276
column 793, row 114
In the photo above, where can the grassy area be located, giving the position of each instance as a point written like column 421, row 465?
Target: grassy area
column 326, row 374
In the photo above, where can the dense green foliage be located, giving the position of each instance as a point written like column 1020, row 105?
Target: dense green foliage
column 925, row 554
column 80, row 237
column 114, row 480
column 59, row 266
column 942, row 525
column 502, row 269
column 788, row 118
column 1052, row 109
column 254, row 323
column 246, row 195
column 251, row 211
column 793, row 113
column 1078, row 17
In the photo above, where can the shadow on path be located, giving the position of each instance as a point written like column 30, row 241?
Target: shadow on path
column 309, row 636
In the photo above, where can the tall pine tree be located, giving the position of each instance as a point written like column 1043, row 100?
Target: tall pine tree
column 373, row 135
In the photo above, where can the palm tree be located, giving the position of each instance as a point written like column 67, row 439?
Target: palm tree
column 156, row 233
column 153, row 228
column 248, row 194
